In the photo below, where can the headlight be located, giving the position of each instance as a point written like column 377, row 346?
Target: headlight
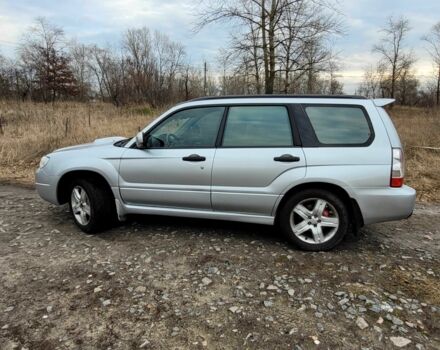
column 43, row 162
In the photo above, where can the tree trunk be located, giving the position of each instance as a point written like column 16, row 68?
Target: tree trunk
column 264, row 46
column 438, row 88
column 287, row 71
column 393, row 81
column 271, row 78
column 257, row 71
column 286, row 81
column 310, row 80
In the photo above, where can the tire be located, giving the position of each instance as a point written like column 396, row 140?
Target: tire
column 311, row 226
column 101, row 207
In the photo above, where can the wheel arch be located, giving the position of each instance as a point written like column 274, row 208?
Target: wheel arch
column 351, row 203
column 67, row 178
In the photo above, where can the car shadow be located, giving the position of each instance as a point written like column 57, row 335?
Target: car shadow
column 208, row 227
column 145, row 224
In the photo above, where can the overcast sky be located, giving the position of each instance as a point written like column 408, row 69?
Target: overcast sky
column 103, row 21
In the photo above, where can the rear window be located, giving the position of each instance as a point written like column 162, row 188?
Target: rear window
column 258, row 126
column 336, row 125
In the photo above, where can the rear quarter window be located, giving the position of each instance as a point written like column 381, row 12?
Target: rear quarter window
column 340, row 125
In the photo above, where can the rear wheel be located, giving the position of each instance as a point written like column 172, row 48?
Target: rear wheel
column 91, row 205
column 314, row 219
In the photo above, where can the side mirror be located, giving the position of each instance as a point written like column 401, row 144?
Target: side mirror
column 140, row 141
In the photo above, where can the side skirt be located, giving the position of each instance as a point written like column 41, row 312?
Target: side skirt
column 124, row 209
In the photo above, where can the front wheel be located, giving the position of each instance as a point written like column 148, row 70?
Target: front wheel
column 314, row 219
column 91, row 205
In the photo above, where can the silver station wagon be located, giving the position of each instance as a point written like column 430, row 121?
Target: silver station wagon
column 316, row 166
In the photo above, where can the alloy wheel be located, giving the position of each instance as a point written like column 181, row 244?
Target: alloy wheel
column 314, row 220
column 80, row 203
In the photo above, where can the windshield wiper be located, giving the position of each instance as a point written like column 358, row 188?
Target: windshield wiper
column 121, row 143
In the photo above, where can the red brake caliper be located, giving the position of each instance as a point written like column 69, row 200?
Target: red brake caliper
column 325, row 212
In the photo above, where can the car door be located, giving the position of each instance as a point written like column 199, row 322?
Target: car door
column 175, row 168
column 256, row 160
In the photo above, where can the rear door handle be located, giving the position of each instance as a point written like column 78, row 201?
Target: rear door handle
column 286, row 158
column 194, row 158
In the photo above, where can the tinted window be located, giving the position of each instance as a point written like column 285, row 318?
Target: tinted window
column 339, row 125
column 258, row 126
column 190, row 128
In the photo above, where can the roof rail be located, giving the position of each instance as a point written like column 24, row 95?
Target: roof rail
column 277, row 96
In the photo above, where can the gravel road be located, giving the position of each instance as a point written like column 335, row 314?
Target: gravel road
column 168, row 283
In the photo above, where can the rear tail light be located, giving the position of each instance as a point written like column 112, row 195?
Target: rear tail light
column 397, row 168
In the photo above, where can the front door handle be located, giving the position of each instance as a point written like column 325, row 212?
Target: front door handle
column 194, row 158
column 286, row 158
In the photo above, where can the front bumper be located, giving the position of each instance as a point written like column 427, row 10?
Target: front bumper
column 46, row 186
column 385, row 204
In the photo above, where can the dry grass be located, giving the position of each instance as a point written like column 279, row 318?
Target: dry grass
column 31, row 130
column 420, row 127
column 425, row 288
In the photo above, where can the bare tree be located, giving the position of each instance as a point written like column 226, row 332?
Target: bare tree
column 245, row 52
column 433, row 41
column 394, row 57
column 267, row 24
column 317, row 59
column 109, row 73
column 370, row 86
column 186, row 81
column 6, row 78
column 80, row 55
column 191, row 82
column 42, row 51
column 254, row 34
column 174, row 63
column 169, row 57
column 305, row 31
column 407, row 88
column 224, row 60
column 335, row 87
column 140, row 61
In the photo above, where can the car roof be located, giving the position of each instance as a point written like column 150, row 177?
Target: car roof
column 284, row 96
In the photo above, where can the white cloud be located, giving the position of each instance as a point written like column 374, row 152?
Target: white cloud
column 123, row 13
column 10, row 30
column 103, row 21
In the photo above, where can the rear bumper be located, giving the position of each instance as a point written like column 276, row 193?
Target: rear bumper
column 385, row 204
column 46, row 186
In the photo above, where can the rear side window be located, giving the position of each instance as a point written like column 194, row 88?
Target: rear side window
column 339, row 125
column 258, row 126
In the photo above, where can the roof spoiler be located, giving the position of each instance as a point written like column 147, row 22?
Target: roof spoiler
column 382, row 102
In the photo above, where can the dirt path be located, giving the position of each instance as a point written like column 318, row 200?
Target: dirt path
column 162, row 283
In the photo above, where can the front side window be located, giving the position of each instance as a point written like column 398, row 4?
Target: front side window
column 190, row 128
column 258, row 126
column 339, row 124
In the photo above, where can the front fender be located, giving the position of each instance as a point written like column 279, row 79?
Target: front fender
column 108, row 170
column 48, row 179
column 106, row 167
